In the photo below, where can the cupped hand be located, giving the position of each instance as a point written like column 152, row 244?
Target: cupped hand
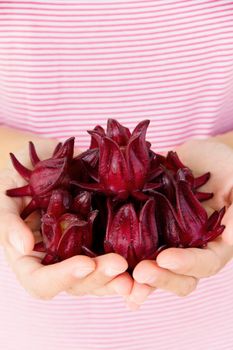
column 79, row 275
column 178, row 270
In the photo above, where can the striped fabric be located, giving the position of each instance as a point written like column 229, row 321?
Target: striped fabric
column 66, row 66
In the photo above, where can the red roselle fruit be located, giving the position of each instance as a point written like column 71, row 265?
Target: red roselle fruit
column 172, row 166
column 186, row 224
column 130, row 234
column 66, row 226
column 45, row 177
column 117, row 196
column 123, row 161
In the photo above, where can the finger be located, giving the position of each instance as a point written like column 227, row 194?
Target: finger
column 150, row 273
column 197, row 262
column 108, row 266
column 121, row 285
column 227, row 220
column 45, row 282
column 7, row 181
column 13, row 230
column 138, row 295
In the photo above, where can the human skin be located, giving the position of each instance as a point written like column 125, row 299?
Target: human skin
column 79, row 275
column 94, row 275
column 178, row 270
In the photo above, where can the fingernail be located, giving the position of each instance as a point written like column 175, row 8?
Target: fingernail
column 16, row 242
column 110, row 271
column 170, row 265
column 81, row 272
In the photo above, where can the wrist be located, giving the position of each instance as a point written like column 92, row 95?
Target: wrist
column 226, row 138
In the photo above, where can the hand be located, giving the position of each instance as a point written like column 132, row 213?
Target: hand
column 178, row 270
column 78, row 275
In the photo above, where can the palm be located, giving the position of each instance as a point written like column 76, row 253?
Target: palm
column 179, row 269
column 217, row 158
column 78, row 275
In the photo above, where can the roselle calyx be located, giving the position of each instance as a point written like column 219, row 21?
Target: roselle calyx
column 186, row 223
column 46, row 176
column 123, row 162
column 130, row 234
column 173, row 166
column 66, row 234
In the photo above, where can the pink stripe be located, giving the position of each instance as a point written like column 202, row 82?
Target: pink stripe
column 61, row 98
column 144, row 29
column 188, row 102
column 99, row 75
column 112, row 24
column 67, row 91
column 111, row 35
column 191, row 66
column 200, row 129
column 89, row 14
column 177, row 97
column 117, row 41
column 12, row 96
column 132, row 4
column 73, row 4
column 119, row 52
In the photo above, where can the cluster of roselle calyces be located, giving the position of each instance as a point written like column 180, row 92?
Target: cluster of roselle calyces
column 117, row 196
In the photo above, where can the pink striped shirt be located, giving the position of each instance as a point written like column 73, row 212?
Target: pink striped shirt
column 66, row 66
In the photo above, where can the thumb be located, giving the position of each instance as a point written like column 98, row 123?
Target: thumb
column 227, row 220
column 13, row 230
column 15, row 233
